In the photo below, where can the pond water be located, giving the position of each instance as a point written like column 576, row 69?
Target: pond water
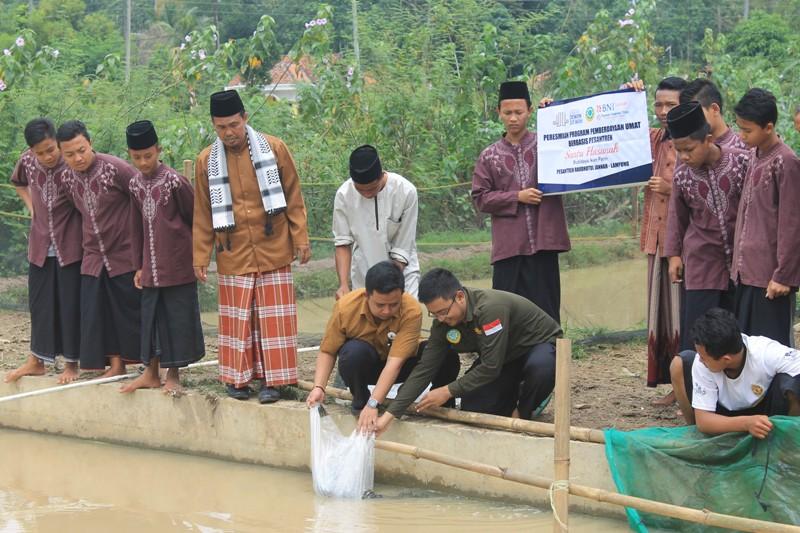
column 612, row 296
column 52, row 484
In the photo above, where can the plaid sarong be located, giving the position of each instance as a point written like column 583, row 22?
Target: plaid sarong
column 258, row 328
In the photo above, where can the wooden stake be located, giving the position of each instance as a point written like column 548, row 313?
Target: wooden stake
column 516, row 425
column 705, row 517
column 560, row 488
column 188, row 169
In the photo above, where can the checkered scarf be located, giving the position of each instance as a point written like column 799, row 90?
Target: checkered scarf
column 219, row 187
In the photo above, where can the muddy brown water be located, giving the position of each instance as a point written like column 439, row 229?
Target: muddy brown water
column 612, row 296
column 60, row 485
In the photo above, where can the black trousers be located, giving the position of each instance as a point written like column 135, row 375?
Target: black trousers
column 696, row 302
column 770, row 318
column 523, row 383
column 774, row 401
column 360, row 365
column 535, row 277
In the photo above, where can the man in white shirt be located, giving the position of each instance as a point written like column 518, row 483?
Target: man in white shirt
column 374, row 220
column 734, row 382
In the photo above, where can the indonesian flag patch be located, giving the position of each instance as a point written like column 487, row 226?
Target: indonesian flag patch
column 492, row 327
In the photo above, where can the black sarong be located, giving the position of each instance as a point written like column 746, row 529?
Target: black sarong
column 110, row 323
column 171, row 328
column 54, row 296
column 535, row 277
column 769, row 318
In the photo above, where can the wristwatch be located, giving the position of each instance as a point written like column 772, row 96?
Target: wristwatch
column 372, row 402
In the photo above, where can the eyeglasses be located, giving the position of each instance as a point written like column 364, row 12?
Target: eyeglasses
column 441, row 314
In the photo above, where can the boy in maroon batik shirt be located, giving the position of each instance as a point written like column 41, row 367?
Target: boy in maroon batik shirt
column 706, row 188
column 529, row 229
column 99, row 186
column 766, row 253
column 54, row 254
column 172, row 335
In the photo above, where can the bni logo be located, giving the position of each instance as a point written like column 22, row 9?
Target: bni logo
column 589, row 114
column 560, row 119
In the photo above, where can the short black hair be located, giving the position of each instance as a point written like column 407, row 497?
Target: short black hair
column 438, row 283
column 702, row 90
column 759, row 106
column 672, row 83
column 718, row 332
column 71, row 129
column 384, row 277
column 38, row 130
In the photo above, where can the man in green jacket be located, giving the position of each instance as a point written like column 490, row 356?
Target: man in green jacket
column 515, row 341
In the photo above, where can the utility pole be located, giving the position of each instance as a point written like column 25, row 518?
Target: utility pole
column 128, row 42
column 356, row 50
column 746, row 12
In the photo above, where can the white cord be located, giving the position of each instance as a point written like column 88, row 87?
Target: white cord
column 562, row 484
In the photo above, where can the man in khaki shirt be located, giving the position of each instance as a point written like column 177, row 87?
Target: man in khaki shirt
column 249, row 209
column 375, row 333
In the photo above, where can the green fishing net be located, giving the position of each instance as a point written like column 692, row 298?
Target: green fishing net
column 733, row 474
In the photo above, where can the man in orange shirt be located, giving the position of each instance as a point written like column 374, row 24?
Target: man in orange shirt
column 374, row 332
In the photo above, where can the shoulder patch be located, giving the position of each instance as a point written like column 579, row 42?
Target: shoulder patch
column 492, row 327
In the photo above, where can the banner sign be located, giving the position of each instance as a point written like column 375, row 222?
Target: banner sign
column 594, row 142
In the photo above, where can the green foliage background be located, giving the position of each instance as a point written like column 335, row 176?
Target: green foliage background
column 424, row 91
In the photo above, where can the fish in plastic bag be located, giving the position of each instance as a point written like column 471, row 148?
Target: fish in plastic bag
column 341, row 467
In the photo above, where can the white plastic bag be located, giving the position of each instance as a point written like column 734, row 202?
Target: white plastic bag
column 342, row 467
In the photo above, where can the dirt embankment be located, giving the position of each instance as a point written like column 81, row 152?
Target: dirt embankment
column 608, row 382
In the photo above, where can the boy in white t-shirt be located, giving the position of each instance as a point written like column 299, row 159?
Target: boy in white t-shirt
column 734, row 382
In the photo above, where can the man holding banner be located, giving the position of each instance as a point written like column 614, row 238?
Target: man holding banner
column 528, row 229
column 603, row 141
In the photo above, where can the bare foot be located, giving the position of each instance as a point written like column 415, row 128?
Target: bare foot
column 172, row 385
column 31, row 367
column 515, row 413
column 669, row 399
column 116, row 368
column 69, row 374
column 148, row 380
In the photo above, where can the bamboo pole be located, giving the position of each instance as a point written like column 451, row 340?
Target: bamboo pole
column 75, row 385
column 516, row 425
column 560, row 487
column 704, row 516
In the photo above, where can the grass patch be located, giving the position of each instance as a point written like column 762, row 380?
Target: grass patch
column 14, row 298
column 460, row 237
column 586, row 254
column 475, row 266
column 607, row 228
